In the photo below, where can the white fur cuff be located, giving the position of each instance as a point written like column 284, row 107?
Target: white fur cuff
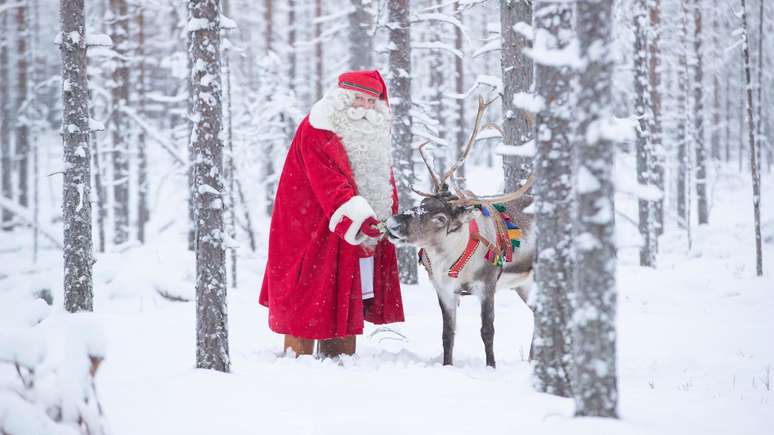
column 357, row 210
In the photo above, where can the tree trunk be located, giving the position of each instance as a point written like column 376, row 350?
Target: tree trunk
column 191, row 173
column 656, row 130
column 230, row 173
column 400, row 88
column 143, row 214
column 698, row 113
column 517, row 77
column 459, row 89
column 22, row 130
column 119, row 128
column 360, row 42
column 211, row 315
column 76, row 207
column 6, row 190
column 755, row 151
column 645, row 152
column 318, row 53
column 716, row 63
column 594, row 339
column 268, row 153
column 551, row 345
column 682, row 122
column 292, row 45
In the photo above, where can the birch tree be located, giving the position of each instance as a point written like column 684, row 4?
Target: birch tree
column 517, row 79
column 400, row 88
column 551, row 345
column 211, row 315
column 595, row 386
column 76, row 207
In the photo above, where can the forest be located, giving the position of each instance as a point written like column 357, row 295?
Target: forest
column 142, row 147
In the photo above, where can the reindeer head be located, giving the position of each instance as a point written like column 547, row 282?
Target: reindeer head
column 443, row 213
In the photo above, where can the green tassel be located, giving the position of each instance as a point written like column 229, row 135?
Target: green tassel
column 515, row 243
column 499, row 207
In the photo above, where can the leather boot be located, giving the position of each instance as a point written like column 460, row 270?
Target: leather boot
column 301, row 346
column 337, row 346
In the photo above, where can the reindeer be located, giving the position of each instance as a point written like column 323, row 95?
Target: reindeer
column 454, row 235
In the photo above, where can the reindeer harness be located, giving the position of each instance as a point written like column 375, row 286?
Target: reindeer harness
column 507, row 239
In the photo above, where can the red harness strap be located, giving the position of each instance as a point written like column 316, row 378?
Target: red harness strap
column 473, row 242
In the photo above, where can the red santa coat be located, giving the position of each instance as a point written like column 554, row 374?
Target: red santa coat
column 311, row 283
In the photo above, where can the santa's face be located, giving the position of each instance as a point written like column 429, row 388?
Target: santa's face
column 363, row 100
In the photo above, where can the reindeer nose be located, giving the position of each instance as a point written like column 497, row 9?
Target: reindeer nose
column 395, row 227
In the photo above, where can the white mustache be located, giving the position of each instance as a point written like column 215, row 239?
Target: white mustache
column 371, row 115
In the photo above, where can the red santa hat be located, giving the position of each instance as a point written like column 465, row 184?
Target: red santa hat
column 367, row 81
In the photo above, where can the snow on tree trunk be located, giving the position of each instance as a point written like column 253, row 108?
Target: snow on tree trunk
column 119, row 124
column 230, row 166
column 143, row 214
column 22, row 142
column 400, row 97
column 76, row 206
column 645, row 152
column 594, row 335
column 517, row 78
column 191, row 173
column 211, row 315
column 6, row 189
column 698, row 113
column 360, row 41
column 551, row 345
column 656, row 130
column 755, row 151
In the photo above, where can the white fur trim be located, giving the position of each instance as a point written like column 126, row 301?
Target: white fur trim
column 357, row 210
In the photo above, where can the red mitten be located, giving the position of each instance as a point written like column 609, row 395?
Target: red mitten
column 369, row 227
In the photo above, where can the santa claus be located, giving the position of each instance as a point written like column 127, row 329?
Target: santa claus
column 329, row 267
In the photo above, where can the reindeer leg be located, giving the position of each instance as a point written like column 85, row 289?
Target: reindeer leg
column 487, row 326
column 449, row 313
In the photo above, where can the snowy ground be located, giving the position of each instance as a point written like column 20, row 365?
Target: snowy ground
column 694, row 349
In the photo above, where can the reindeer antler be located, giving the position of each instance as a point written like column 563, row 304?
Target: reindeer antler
column 504, row 197
column 433, row 176
column 482, row 106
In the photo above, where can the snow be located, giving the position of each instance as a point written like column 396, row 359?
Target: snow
column 98, row 39
column 586, row 182
column 694, row 353
column 528, row 101
column 195, row 24
column 527, row 149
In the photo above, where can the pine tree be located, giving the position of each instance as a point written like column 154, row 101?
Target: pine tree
column 755, row 150
column 119, row 125
column 360, row 41
column 22, row 140
column 6, row 189
column 517, row 78
column 594, row 335
column 76, row 206
column 698, row 113
column 211, row 315
column 551, row 345
column 656, row 129
column 400, row 88
column 143, row 214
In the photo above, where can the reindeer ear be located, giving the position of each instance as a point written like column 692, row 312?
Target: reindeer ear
column 471, row 213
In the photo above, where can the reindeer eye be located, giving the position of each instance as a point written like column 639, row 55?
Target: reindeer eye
column 440, row 219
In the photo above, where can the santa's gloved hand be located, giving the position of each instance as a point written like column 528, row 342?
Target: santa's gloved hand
column 370, row 228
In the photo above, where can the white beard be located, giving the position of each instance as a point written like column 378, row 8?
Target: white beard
column 367, row 141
